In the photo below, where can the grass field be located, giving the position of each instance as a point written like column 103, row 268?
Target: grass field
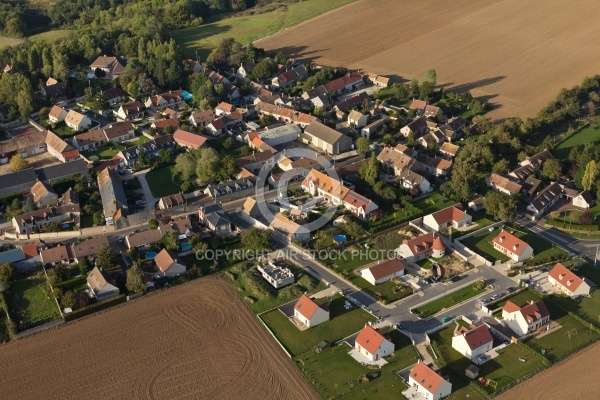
column 433, row 203
column 330, row 371
column 29, row 304
column 504, row 369
column 389, row 291
column 105, row 152
column 461, row 40
column 588, row 134
column 342, row 324
column 449, row 300
column 6, row 41
column 49, row 36
column 246, row 29
column 161, row 181
column 482, row 244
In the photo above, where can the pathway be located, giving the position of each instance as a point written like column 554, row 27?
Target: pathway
column 148, row 196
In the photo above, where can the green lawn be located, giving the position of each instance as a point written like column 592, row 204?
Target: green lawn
column 51, row 36
column 389, row 291
column 449, row 300
column 63, row 131
column 247, row 29
column 107, row 151
column 425, row 263
column 588, row 134
column 433, row 203
column 29, row 303
column 505, row 369
column 520, row 298
column 331, row 371
column 161, row 181
column 6, row 41
column 482, row 244
column 251, row 285
column 342, row 324
column 480, row 220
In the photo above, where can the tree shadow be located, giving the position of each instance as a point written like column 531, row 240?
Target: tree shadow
column 465, row 87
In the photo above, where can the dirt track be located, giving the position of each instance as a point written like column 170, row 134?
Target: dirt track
column 516, row 54
column 193, row 341
column 575, row 378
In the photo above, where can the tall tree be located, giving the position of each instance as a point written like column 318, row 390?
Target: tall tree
column 17, row 163
column 431, row 76
column 551, row 169
column 106, row 257
column 369, row 171
column 362, row 145
column 589, row 176
column 134, row 282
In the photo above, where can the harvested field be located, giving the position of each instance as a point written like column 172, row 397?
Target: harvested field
column 571, row 379
column 197, row 340
column 513, row 53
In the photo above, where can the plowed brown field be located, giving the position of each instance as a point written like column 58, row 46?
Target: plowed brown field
column 516, row 54
column 575, row 378
column 194, row 341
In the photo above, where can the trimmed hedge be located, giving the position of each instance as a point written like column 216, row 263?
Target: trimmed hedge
column 440, row 357
column 71, row 283
column 572, row 227
column 92, row 308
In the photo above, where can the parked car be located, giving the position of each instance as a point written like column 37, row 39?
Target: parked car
column 455, row 278
column 446, row 319
column 485, row 301
column 400, row 326
column 140, row 202
column 544, row 270
column 511, row 289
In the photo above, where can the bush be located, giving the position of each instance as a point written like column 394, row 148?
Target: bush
column 95, row 308
column 257, row 286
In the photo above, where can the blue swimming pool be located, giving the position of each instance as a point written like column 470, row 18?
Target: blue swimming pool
column 186, row 95
column 186, row 246
column 150, row 255
column 339, row 239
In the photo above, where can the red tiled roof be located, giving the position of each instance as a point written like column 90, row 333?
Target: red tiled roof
column 186, row 138
column 452, row 213
column 510, row 242
column 369, row 339
column 386, row 268
column 306, row 306
column 565, row 277
column 426, row 377
column 477, row 337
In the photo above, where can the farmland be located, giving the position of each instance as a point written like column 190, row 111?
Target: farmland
column 514, row 54
column 198, row 341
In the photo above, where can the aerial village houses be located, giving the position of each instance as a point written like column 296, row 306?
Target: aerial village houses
column 131, row 111
column 451, row 216
column 276, row 275
column 420, row 247
column 59, row 254
column 60, row 149
column 114, row 96
column 502, row 184
column 372, row 344
column 473, row 342
column 43, row 195
column 289, row 228
column 357, row 119
column 527, row 318
column 410, row 179
column 90, row 140
column 202, row 118
column 99, row 286
column 319, row 184
column 86, row 250
column 418, row 127
column 37, row 219
column 119, row 132
column 512, row 246
column 172, row 99
column 423, row 108
column 428, row 383
column 309, row 313
column 57, row 114
column 171, row 201
column 77, row 121
column 113, row 67
column 289, row 77
column 568, row 283
column 383, row 271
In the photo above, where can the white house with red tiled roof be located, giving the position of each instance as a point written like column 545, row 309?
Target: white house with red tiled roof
column 510, row 245
column 310, row 313
column 383, row 271
column 372, row 344
column 422, row 246
column 473, row 342
column 451, row 216
column 527, row 318
column 428, row 383
column 567, row 282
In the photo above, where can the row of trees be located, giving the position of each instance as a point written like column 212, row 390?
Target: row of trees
column 206, row 165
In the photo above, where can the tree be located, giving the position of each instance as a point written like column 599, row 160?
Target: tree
column 228, row 143
column 362, row 145
column 106, row 258
column 319, row 112
column 589, row 176
column 169, row 241
column 369, row 171
column 353, row 229
column 402, row 91
column 134, row 283
column 7, row 274
column 501, row 167
column 414, row 88
column 256, row 238
column 208, row 165
column 98, row 218
column 185, row 165
column 52, row 226
column 501, row 206
column 431, row 76
column 68, row 300
column 29, row 205
column 165, row 155
column 153, row 224
column 388, row 139
column 17, row 163
column 426, row 90
column 587, row 218
column 551, row 169
column 479, row 285
column 384, row 191
column 169, row 130
column 264, row 69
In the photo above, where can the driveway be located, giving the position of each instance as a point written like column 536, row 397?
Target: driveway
column 148, row 197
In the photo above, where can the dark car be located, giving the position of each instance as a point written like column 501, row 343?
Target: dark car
column 544, row 270
column 400, row 326
column 455, row 278
column 511, row 289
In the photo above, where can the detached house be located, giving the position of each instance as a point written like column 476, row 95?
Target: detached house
column 451, row 216
column 172, row 99
column 89, row 140
column 113, row 67
column 428, row 383
column 409, row 179
column 99, row 286
column 88, row 248
column 57, row 114
column 168, row 264
column 544, row 200
column 527, row 318
column 327, row 139
column 60, row 254
column 423, row 108
column 188, row 139
column 569, row 283
column 202, row 118
column 290, row 228
column 131, row 111
column 114, row 96
column 119, row 132
column 171, row 201
column 418, row 127
column 383, row 271
column 473, row 342
column 510, row 245
column 287, row 78
column 60, row 149
column 77, row 121
column 357, row 119
column 112, row 193
column 416, row 249
column 372, row 344
column 310, row 313
column 502, row 184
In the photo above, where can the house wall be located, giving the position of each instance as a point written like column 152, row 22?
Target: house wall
column 459, row 343
column 430, row 222
column 175, row 269
column 580, row 202
column 443, row 390
column 318, row 317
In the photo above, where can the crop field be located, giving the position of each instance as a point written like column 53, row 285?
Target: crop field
column 567, row 380
column 196, row 341
column 513, row 53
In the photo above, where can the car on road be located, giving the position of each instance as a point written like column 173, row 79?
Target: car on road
column 544, row 270
column 501, row 294
column 485, row 301
column 140, row 202
column 511, row 289
column 446, row 319
column 400, row 326
column 455, row 278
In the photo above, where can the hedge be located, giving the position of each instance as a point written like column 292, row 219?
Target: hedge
column 71, row 283
column 440, row 357
column 92, row 308
column 570, row 226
